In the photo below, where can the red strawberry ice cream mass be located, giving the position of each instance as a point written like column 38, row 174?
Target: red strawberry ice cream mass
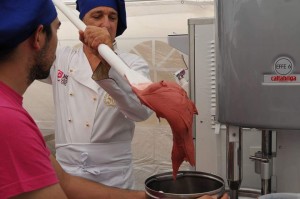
column 168, row 100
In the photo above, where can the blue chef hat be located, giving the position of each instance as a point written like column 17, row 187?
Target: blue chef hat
column 84, row 6
column 20, row 18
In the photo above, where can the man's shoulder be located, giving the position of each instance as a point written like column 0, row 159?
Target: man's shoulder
column 11, row 119
column 64, row 55
column 11, row 112
column 64, row 50
column 7, row 105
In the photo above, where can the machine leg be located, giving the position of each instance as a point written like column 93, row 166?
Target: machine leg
column 234, row 159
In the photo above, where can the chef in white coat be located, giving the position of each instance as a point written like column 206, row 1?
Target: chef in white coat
column 95, row 118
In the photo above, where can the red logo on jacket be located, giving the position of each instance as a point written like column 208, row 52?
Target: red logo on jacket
column 62, row 78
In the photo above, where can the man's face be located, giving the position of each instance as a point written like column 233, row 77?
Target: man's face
column 45, row 58
column 103, row 17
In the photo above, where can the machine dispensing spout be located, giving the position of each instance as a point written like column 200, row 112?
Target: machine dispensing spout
column 264, row 162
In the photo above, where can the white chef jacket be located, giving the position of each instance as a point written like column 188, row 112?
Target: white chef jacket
column 95, row 119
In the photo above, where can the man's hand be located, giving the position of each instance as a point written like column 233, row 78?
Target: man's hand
column 93, row 36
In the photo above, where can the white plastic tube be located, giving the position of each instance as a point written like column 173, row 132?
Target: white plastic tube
column 110, row 57
column 69, row 14
column 113, row 60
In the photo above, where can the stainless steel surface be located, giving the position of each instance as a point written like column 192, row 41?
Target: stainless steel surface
column 264, row 162
column 251, row 37
column 265, row 186
column 266, row 167
column 266, row 143
column 246, row 193
column 257, row 158
column 188, row 185
column 234, row 159
column 234, row 193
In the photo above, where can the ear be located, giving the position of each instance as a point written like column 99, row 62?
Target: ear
column 38, row 37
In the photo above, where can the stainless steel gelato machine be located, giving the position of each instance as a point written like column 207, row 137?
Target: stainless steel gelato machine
column 257, row 44
column 258, row 63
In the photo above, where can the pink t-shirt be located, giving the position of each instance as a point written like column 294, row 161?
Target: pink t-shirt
column 24, row 158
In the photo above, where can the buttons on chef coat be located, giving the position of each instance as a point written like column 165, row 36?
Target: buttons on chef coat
column 69, row 120
column 87, row 124
column 95, row 98
column 71, row 94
